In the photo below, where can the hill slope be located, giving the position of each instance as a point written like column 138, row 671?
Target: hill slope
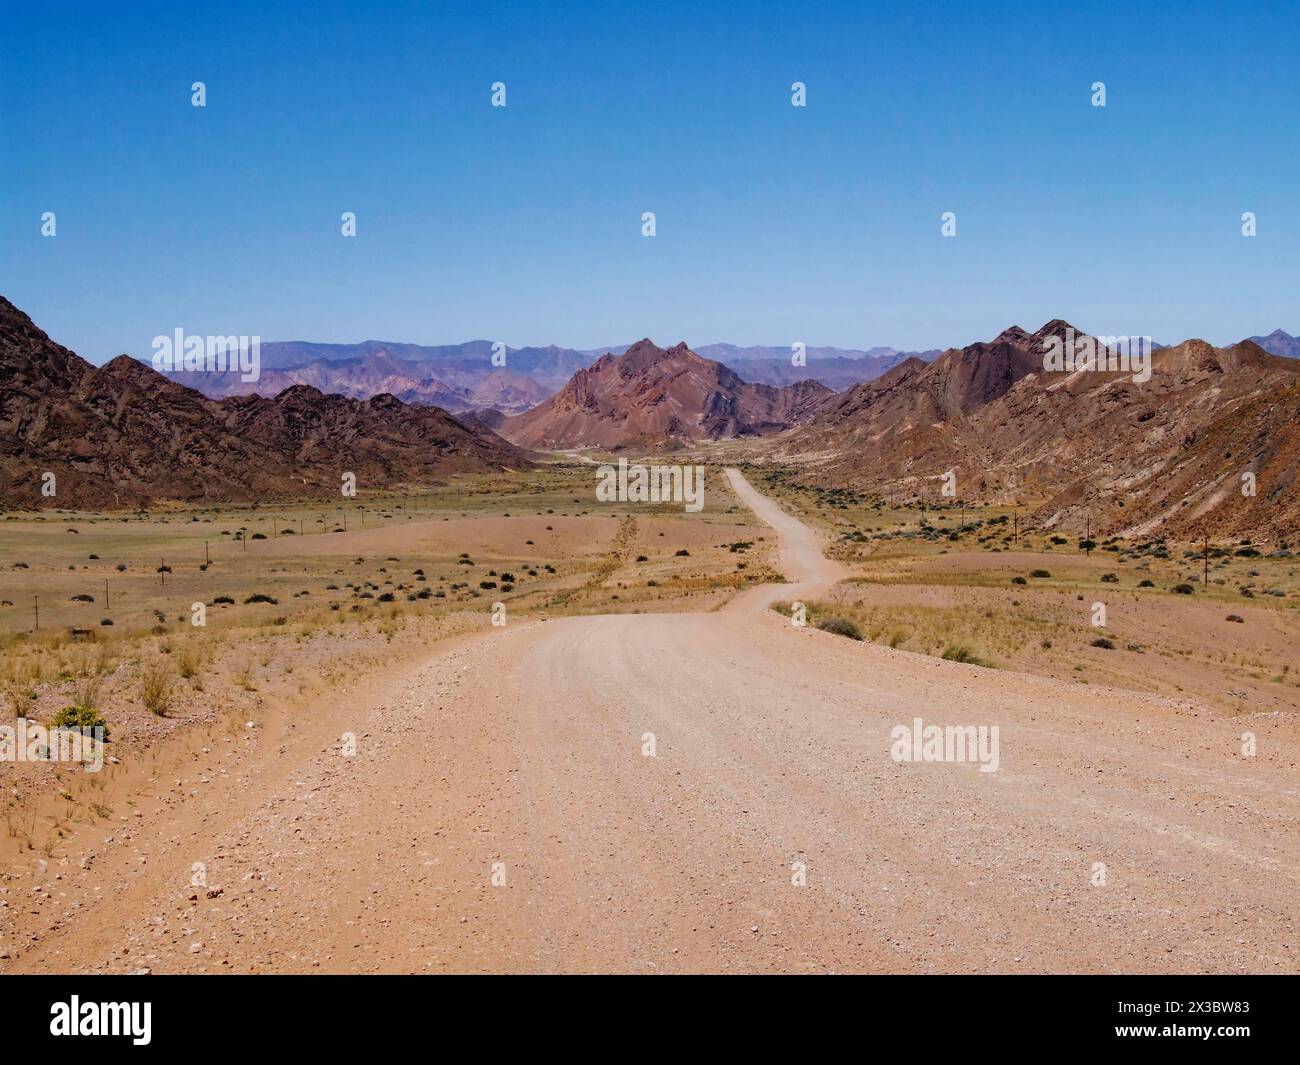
column 124, row 435
column 652, row 396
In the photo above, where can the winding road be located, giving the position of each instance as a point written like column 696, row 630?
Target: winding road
column 709, row 792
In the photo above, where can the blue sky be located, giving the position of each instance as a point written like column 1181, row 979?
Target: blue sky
column 775, row 224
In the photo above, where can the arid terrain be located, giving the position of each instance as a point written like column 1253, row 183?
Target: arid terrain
column 648, row 767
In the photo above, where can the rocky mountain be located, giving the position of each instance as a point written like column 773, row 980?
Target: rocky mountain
column 1095, row 445
column 650, row 396
column 1279, row 342
column 124, row 435
column 463, row 377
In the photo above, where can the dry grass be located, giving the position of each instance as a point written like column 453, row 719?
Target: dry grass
column 156, row 686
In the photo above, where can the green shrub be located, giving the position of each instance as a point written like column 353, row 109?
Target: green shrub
column 840, row 627
column 956, row 652
column 1039, row 573
column 79, row 717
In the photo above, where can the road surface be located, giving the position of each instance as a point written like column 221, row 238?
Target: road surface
column 686, row 793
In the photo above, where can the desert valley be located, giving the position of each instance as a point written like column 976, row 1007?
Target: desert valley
column 389, row 686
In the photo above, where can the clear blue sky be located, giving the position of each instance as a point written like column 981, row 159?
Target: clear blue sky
column 775, row 224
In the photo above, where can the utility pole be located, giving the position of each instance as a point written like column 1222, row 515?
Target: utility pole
column 207, row 560
column 300, row 526
column 1087, row 536
column 1207, row 560
column 107, row 606
column 36, row 605
column 162, row 572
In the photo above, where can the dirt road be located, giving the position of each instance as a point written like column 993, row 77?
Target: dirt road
column 713, row 792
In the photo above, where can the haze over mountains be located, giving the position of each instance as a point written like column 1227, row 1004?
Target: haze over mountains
column 464, row 377
column 123, row 435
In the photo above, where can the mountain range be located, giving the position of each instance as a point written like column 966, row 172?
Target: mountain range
column 1170, row 454
column 464, row 377
column 1207, row 444
column 123, row 435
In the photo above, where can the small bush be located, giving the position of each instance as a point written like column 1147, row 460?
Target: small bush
column 1184, row 589
column 956, row 652
column 1019, row 580
column 840, row 627
column 155, row 687
column 1103, row 643
column 188, row 662
column 259, row 597
column 79, row 717
column 1237, row 618
column 1039, row 573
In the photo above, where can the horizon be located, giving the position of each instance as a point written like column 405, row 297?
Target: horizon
column 523, row 223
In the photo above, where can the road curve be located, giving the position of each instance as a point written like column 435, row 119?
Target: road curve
column 713, row 792
column 810, row 573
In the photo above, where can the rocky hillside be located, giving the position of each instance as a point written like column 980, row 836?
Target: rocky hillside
column 124, row 435
column 651, row 396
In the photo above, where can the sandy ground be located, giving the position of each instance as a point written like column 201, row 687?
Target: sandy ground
column 689, row 792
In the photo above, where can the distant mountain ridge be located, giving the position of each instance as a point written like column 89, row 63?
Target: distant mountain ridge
column 1279, row 342
column 124, row 435
column 464, row 377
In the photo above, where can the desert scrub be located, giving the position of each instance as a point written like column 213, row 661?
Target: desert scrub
column 79, row 717
column 243, row 676
column 156, row 687
column 840, row 627
column 956, row 652
column 88, row 690
column 189, row 661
